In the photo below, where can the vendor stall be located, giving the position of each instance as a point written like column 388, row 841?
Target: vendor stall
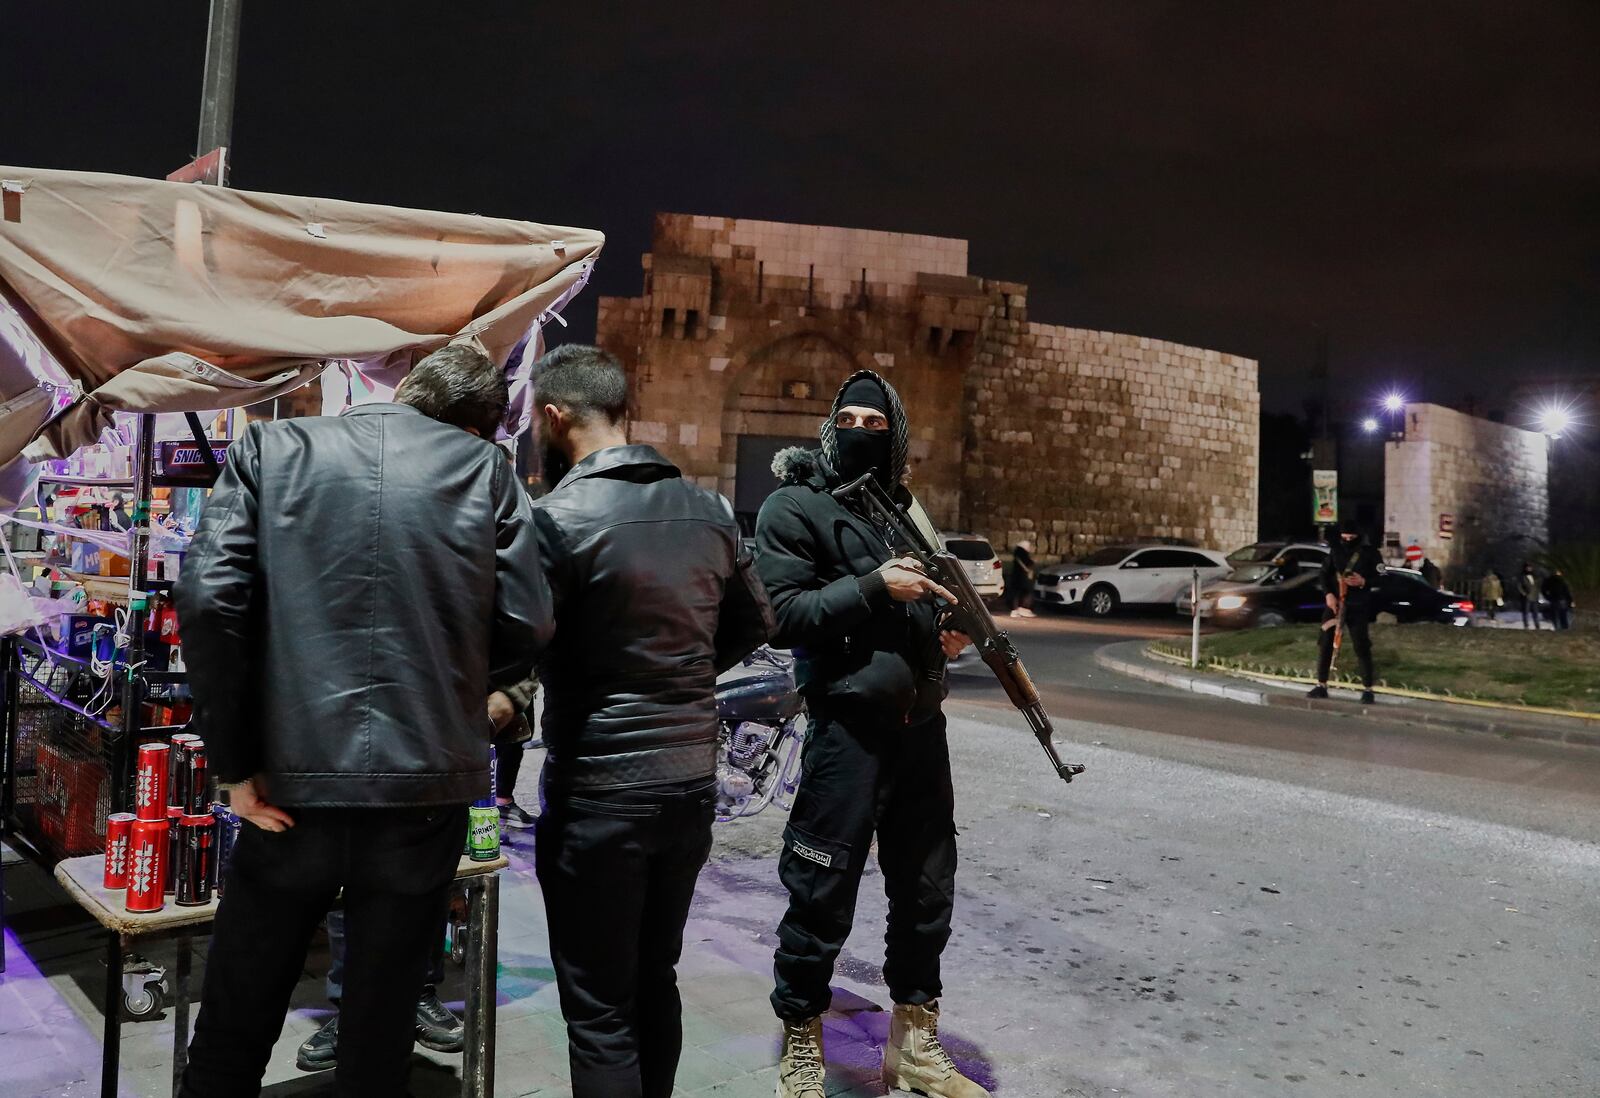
column 131, row 312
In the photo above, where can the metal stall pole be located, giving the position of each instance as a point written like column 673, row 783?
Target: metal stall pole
column 1194, row 608
column 222, row 68
column 138, row 607
column 111, row 1038
column 483, row 948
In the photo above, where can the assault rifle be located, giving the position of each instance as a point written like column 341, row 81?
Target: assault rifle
column 972, row 616
column 1337, row 624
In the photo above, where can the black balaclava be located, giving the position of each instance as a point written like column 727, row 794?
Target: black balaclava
column 860, row 450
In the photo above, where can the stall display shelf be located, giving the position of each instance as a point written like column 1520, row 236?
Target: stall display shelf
column 86, row 482
column 66, row 766
column 52, row 655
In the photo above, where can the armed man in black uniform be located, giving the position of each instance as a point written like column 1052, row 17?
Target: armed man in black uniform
column 1355, row 565
column 871, row 660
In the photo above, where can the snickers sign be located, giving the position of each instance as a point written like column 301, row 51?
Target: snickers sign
column 183, row 464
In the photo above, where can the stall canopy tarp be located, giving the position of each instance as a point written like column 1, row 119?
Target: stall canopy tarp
column 140, row 295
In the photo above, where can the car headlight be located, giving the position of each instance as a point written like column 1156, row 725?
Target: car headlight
column 1230, row 602
column 1075, row 576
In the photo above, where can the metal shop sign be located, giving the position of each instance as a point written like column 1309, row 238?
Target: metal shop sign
column 183, row 465
column 1324, row 496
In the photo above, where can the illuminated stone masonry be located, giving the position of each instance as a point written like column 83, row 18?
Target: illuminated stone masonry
column 1472, row 493
column 1076, row 438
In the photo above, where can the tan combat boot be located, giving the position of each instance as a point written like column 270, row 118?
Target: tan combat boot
column 914, row 1059
column 800, row 1067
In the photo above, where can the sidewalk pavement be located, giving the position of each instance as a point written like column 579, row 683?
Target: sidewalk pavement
column 50, row 1018
column 1132, row 658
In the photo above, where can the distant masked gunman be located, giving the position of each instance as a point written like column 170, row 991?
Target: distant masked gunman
column 871, row 663
column 653, row 597
column 1349, row 584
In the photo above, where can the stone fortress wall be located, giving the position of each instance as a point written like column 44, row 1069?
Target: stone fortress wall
column 1471, row 492
column 1078, row 438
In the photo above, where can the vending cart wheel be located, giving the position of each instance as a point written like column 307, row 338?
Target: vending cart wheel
column 143, row 1001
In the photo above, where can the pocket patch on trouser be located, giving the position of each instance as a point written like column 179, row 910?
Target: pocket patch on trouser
column 827, row 854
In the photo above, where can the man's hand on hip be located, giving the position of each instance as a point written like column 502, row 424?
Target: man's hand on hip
column 907, row 582
column 248, row 804
column 501, row 711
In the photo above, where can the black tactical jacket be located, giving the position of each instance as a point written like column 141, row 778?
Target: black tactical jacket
column 653, row 598
column 1345, row 559
column 857, row 648
column 355, row 588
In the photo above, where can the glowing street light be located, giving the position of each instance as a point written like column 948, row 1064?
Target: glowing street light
column 1369, row 425
column 1393, row 402
column 1554, row 420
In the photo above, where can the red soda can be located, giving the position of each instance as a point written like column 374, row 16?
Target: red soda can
column 168, row 623
column 169, row 875
column 147, row 850
column 150, row 782
column 197, row 849
column 119, row 833
column 177, row 796
column 195, row 800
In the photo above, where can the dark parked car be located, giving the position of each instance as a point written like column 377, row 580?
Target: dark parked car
column 1276, row 594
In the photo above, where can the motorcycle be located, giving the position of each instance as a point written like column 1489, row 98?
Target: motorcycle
column 763, row 723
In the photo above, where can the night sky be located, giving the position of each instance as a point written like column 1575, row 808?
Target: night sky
column 1421, row 181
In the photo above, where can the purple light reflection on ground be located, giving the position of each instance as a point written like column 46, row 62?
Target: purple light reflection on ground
column 46, row 1048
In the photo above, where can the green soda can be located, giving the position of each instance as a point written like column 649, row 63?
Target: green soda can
column 483, row 836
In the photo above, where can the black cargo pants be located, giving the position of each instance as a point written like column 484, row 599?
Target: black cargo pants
column 1357, row 632
column 862, row 777
column 618, row 870
column 395, row 866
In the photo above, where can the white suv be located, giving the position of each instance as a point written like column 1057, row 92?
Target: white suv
column 977, row 556
column 1135, row 574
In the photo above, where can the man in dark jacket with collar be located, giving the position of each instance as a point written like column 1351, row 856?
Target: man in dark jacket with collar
column 871, row 663
column 653, row 598
column 356, row 588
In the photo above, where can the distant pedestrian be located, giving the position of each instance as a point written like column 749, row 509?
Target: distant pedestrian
column 1494, row 594
column 1528, row 595
column 1019, row 582
column 1430, row 573
column 1558, row 593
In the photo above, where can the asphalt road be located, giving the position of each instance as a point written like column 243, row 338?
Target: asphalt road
column 1242, row 901
column 1233, row 900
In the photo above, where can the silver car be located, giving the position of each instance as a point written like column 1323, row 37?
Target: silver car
column 978, row 557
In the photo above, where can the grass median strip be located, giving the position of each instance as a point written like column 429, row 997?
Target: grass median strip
column 1545, row 669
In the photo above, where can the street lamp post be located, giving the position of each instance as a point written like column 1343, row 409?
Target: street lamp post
column 222, row 67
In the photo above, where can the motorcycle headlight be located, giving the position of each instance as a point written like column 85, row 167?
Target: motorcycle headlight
column 1230, row 602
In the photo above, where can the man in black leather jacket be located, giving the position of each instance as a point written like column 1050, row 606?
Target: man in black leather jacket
column 356, row 588
column 871, row 664
column 653, row 598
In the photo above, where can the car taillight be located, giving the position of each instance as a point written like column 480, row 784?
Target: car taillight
column 1466, row 606
column 997, row 566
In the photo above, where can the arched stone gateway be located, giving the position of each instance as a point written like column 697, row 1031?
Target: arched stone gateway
column 1078, row 438
column 775, row 398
